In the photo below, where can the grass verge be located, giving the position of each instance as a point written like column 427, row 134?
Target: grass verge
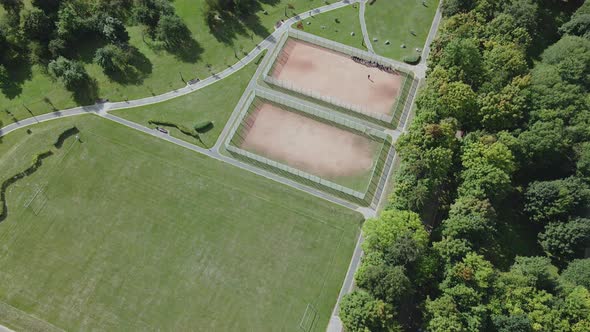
column 214, row 103
column 341, row 25
column 400, row 22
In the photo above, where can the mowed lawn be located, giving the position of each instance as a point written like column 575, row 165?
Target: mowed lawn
column 337, row 25
column 139, row 234
column 213, row 103
column 36, row 93
column 395, row 20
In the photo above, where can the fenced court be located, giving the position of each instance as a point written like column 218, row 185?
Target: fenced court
column 366, row 85
column 315, row 147
column 336, row 75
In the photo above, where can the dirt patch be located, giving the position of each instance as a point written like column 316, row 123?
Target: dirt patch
column 307, row 144
column 336, row 75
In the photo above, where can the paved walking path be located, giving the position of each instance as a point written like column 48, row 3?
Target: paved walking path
column 366, row 38
column 213, row 153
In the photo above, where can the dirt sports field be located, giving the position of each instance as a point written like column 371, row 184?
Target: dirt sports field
column 334, row 74
column 307, row 144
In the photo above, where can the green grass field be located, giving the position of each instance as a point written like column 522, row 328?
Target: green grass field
column 338, row 25
column 213, row 103
column 394, row 21
column 161, row 71
column 139, row 234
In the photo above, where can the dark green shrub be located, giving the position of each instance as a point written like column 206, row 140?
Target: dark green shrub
column 65, row 135
column 37, row 162
column 412, row 59
column 203, row 127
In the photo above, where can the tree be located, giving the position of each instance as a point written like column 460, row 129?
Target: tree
column 37, row 25
column 525, row 12
column 452, row 250
column 404, row 250
column 149, row 12
column 502, row 63
column 3, row 76
column 12, row 5
column 70, row 23
column 473, row 271
column 113, row 30
column 545, row 145
column 172, row 31
column 360, row 312
column 487, row 150
column 381, row 233
column 538, row 272
column 462, row 58
column 576, row 308
column 471, row 219
column 577, row 273
column 556, row 200
column 48, row 6
column 504, row 109
column 386, row 283
column 512, row 323
column 514, row 295
column 566, row 241
column 579, row 24
column 452, row 7
column 505, row 29
column 583, row 163
column 71, row 73
column 458, row 100
column 111, row 58
column 571, row 57
column 485, row 181
column 443, row 315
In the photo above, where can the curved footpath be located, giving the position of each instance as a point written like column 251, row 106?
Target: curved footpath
column 363, row 4
column 267, row 43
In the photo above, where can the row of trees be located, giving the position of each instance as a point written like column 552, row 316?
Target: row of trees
column 55, row 34
column 496, row 164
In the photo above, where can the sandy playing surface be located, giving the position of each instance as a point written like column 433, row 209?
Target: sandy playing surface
column 333, row 74
column 307, row 144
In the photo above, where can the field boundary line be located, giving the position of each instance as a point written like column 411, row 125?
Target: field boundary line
column 26, row 314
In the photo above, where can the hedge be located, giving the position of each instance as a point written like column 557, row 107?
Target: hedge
column 183, row 129
column 37, row 162
column 412, row 59
column 203, row 127
column 65, row 135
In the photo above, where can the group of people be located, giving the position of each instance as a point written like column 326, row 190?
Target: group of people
column 370, row 63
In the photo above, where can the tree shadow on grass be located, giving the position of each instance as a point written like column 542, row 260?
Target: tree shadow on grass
column 17, row 74
column 270, row 2
column 86, row 92
column 227, row 29
column 252, row 22
column 137, row 69
column 227, row 26
column 189, row 50
column 84, row 47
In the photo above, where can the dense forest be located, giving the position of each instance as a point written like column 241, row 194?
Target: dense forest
column 488, row 226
